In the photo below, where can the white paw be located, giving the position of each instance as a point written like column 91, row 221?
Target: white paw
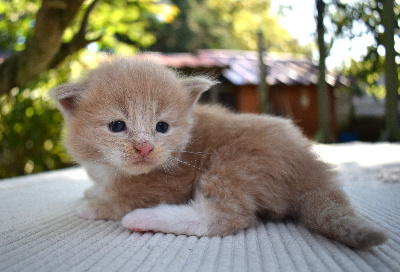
column 177, row 219
column 86, row 211
column 141, row 220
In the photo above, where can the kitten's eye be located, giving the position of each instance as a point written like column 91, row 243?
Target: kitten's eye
column 162, row 127
column 117, row 126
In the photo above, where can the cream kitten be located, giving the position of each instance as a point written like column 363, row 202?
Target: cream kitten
column 163, row 163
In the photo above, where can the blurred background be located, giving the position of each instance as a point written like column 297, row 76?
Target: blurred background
column 331, row 66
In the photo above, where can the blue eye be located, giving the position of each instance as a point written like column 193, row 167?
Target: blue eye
column 162, row 127
column 117, row 126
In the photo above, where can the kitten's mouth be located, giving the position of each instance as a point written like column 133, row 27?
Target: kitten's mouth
column 144, row 162
column 139, row 166
column 129, row 161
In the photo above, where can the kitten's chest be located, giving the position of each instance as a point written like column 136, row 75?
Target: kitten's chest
column 176, row 184
column 197, row 154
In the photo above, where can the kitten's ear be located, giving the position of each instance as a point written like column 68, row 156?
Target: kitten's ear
column 197, row 86
column 67, row 96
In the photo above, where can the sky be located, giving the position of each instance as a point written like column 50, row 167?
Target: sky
column 300, row 18
column 300, row 22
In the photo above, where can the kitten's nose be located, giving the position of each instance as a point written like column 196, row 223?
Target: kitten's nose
column 144, row 149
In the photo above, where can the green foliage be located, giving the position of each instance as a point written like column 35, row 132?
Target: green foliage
column 195, row 27
column 108, row 20
column 226, row 24
column 29, row 134
column 355, row 19
column 117, row 21
column 30, row 124
column 368, row 75
column 16, row 19
column 247, row 17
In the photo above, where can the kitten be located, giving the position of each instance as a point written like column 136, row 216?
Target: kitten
column 162, row 162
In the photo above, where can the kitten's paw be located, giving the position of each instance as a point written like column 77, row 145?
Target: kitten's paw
column 86, row 211
column 141, row 220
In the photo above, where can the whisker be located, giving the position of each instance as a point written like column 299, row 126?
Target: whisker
column 191, row 152
column 193, row 141
column 187, row 163
column 165, row 173
column 169, row 171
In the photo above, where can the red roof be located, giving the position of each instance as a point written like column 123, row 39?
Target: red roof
column 241, row 67
column 182, row 60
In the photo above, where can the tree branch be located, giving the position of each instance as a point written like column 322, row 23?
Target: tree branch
column 82, row 30
column 78, row 42
column 68, row 49
column 53, row 17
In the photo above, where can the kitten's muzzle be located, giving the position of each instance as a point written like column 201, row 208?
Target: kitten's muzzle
column 144, row 149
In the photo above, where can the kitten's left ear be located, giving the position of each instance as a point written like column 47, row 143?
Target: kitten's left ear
column 68, row 96
column 197, row 86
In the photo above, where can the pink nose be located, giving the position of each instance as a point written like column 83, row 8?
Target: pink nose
column 144, row 149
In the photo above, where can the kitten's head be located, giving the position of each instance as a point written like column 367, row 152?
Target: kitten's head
column 128, row 113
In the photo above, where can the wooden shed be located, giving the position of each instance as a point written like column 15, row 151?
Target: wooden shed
column 292, row 83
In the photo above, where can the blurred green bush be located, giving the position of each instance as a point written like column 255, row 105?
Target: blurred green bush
column 30, row 134
column 31, row 125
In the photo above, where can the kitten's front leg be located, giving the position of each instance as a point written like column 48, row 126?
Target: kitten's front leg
column 101, row 205
column 92, row 192
column 102, row 209
column 178, row 219
column 87, row 210
column 201, row 217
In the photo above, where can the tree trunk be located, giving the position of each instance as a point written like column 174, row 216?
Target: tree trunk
column 44, row 48
column 392, row 131
column 324, row 133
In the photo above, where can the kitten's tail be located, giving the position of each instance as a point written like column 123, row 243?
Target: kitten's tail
column 330, row 213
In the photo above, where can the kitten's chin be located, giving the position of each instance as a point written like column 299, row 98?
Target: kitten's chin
column 138, row 168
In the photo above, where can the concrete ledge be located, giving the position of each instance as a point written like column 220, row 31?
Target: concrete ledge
column 39, row 230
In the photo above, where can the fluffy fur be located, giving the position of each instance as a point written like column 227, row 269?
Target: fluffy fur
column 212, row 172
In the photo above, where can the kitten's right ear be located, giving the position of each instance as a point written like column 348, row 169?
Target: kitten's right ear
column 196, row 86
column 68, row 96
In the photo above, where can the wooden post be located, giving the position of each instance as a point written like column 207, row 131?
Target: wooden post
column 262, row 84
column 392, row 131
column 324, row 133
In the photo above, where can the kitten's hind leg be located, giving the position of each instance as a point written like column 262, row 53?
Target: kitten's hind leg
column 329, row 213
